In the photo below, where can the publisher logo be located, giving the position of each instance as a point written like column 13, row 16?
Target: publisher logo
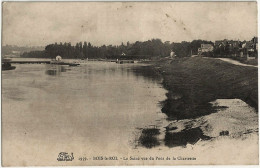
column 64, row 156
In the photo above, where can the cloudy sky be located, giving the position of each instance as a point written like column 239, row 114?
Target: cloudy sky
column 42, row 23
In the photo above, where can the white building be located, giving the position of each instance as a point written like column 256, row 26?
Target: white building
column 206, row 47
column 172, row 54
column 58, row 58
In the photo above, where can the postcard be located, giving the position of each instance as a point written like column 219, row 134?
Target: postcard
column 129, row 83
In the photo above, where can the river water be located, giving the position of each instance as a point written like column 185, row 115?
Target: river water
column 99, row 107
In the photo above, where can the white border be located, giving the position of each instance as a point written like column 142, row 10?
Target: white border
column 210, row 166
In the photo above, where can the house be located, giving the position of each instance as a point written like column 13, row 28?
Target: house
column 255, row 43
column 255, row 40
column 236, row 48
column 233, row 47
column 199, row 51
column 248, row 50
column 221, row 43
column 234, row 44
column 206, row 48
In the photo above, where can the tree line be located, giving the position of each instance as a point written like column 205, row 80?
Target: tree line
column 137, row 50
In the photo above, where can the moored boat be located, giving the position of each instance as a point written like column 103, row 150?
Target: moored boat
column 6, row 65
column 58, row 61
column 73, row 64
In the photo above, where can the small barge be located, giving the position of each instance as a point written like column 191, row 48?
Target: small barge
column 6, row 65
column 58, row 61
column 64, row 63
column 125, row 61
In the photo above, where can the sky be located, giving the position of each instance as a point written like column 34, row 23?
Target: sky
column 43, row 23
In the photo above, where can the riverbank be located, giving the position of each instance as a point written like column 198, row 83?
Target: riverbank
column 193, row 83
column 211, row 107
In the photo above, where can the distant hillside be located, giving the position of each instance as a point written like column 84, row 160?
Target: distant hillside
column 16, row 51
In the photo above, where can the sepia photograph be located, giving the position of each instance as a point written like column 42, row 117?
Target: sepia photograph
column 129, row 83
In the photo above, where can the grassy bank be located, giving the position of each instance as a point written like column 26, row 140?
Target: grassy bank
column 194, row 82
column 246, row 61
column 250, row 62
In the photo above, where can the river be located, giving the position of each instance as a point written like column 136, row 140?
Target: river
column 100, row 107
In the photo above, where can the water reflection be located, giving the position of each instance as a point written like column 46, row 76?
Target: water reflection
column 55, row 70
column 148, row 73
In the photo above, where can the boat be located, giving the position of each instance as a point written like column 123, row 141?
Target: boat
column 73, row 64
column 7, row 66
column 124, row 61
column 58, row 61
